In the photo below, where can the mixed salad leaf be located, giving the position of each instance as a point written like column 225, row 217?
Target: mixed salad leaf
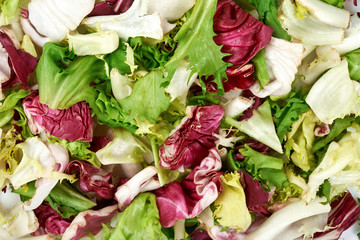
column 184, row 119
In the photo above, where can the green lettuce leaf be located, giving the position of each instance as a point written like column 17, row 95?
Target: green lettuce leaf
column 22, row 122
column 285, row 116
column 267, row 10
column 261, row 73
column 65, row 79
column 12, row 103
column 12, row 97
column 62, row 198
column 336, row 3
column 282, row 194
column 148, row 99
column 260, row 127
column 353, row 59
column 117, row 59
column 140, row 220
column 267, row 169
column 195, row 44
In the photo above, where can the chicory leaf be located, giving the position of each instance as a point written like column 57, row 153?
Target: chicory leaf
column 260, row 127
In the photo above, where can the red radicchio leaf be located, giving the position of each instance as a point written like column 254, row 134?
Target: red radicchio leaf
column 98, row 143
column 89, row 221
column 256, row 197
column 111, row 7
column 22, row 63
column 50, row 221
column 344, row 213
column 92, row 179
column 72, row 124
column 199, row 234
column 241, row 35
column 239, row 77
column 191, row 141
column 193, row 194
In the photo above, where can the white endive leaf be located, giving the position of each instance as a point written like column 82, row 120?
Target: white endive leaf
column 55, row 19
column 282, row 59
column 180, row 83
column 334, row 95
column 93, row 43
column 309, row 30
column 352, row 36
column 133, row 23
column 260, row 127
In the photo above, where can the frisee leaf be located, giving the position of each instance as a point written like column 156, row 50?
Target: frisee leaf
column 196, row 45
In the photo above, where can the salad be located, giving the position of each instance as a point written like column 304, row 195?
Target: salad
column 181, row 119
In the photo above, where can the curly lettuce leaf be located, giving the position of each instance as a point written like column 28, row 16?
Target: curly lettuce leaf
column 195, row 44
column 9, row 105
column 148, row 99
column 285, row 116
column 154, row 55
column 266, row 169
column 340, row 164
column 65, row 79
column 267, row 10
column 117, row 59
column 140, row 220
column 78, row 150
